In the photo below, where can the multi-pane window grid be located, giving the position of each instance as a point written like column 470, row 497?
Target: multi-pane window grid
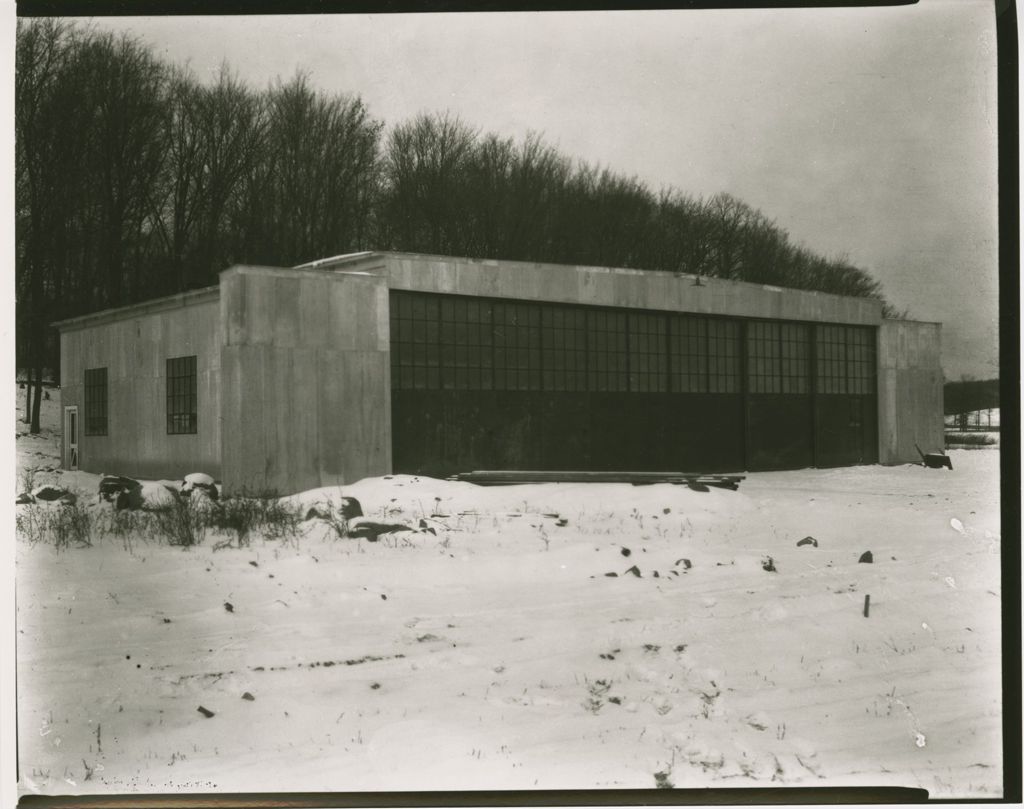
column 416, row 352
column 723, row 356
column 181, row 395
column 607, row 351
column 464, row 343
column 564, row 348
column 846, row 360
column 96, row 401
column 778, row 357
column 689, row 354
column 648, row 357
column 517, row 351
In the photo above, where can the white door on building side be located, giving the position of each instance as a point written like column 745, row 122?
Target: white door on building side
column 71, row 438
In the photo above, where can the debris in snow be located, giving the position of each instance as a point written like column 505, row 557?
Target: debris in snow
column 768, row 565
column 205, row 711
column 666, row 510
column 612, row 575
column 920, row 740
column 956, row 525
column 317, row 513
column 634, row 570
column 24, row 499
column 935, row 460
column 229, row 606
column 167, row 620
column 625, row 551
column 562, row 522
column 370, row 530
column 867, row 606
column 157, row 497
column 383, row 597
column 375, row 686
column 687, row 564
column 866, row 558
column 808, row 540
column 115, row 488
column 254, row 564
column 199, row 482
column 248, row 696
column 657, row 575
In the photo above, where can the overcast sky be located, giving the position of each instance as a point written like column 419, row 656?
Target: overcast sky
column 869, row 133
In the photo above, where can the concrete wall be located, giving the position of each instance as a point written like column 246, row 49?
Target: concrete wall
column 134, row 345
column 306, row 395
column 602, row 286
column 910, row 384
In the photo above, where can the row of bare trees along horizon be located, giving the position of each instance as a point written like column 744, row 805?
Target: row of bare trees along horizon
column 135, row 179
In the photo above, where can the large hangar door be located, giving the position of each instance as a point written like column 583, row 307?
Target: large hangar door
column 846, row 405
column 502, row 384
column 779, row 404
column 499, row 384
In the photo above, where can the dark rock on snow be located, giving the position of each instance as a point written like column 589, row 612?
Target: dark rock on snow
column 768, row 565
column 635, row 571
column 24, row 499
column 199, row 481
column 48, row 493
column 866, row 558
column 807, row 541
column 350, row 508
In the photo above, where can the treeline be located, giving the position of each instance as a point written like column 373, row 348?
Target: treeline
column 134, row 179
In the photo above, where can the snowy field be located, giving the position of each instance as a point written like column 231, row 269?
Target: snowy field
column 500, row 653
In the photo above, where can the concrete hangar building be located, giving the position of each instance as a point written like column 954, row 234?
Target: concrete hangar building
column 284, row 379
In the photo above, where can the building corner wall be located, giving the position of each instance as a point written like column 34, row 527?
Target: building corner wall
column 910, row 383
column 306, row 379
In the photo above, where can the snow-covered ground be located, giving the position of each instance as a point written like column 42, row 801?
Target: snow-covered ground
column 499, row 653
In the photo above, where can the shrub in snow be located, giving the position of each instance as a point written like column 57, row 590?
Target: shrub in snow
column 63, row 527
column 203, row 503
column 180, row 524
column 244, row 516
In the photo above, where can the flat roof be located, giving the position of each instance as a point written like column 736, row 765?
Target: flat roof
column 356, row 259
column 176, row 301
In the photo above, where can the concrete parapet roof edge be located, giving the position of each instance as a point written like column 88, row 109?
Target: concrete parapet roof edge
column 358, row 258
column 176, row 301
